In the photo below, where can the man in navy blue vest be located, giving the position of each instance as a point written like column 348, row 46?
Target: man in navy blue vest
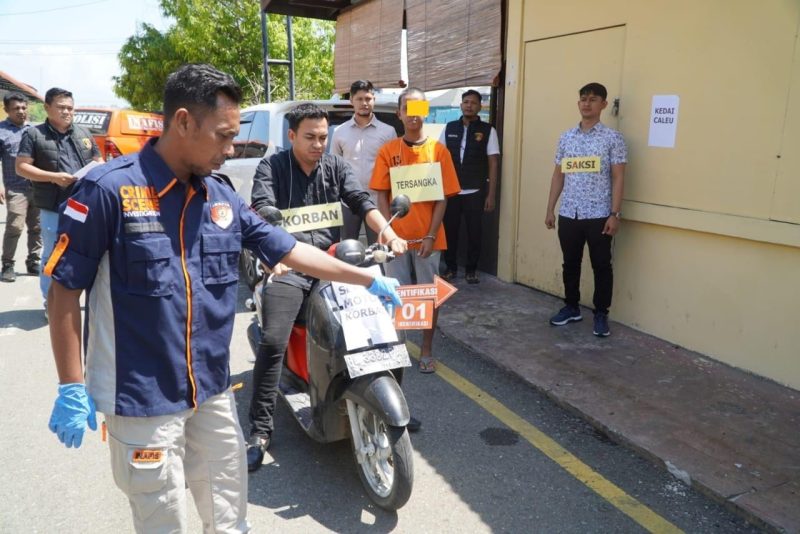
column 476, row 155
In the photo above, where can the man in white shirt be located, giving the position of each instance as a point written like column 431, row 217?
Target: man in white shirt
column 475, row 150
column 358, row 141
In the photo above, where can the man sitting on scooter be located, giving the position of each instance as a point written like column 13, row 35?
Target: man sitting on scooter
column 302, row 176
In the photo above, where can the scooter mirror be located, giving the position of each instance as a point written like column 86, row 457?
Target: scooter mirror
column 400, row 206
column 271, row 214
column 351, row 251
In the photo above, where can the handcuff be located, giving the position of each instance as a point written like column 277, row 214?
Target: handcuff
column 420, row 240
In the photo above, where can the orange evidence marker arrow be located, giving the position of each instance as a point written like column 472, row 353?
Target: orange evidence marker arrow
column 440, row 290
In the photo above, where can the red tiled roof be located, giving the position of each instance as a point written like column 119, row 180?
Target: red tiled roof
column 9, row 83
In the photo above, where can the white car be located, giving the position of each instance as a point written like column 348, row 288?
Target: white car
column 264, row 131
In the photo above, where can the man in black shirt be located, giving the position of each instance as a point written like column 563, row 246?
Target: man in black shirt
column 475, row 150
column 49, row 156
column 303, row 176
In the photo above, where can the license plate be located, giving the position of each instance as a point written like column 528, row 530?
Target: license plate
column 375, row 360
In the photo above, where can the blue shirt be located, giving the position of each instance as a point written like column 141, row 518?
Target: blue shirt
column 587, row 195
column 159, row 260
column 10, row 137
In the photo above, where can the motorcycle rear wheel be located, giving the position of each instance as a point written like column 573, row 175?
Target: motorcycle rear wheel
column 387, row 471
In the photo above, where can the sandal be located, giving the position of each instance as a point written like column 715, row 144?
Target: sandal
column 427, row 364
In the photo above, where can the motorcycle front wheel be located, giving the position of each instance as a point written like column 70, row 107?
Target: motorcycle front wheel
column 248, row 268
column 385, row 461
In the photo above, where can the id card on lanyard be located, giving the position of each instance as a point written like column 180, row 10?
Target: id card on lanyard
column 421, row 182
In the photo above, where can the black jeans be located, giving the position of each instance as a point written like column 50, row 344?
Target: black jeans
column 470, row 207
column 283, row 303
column 573, row 234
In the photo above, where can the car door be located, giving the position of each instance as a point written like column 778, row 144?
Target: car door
column 240, row 167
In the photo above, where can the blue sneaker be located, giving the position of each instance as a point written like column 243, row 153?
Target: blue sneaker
column 565, row 315
column 601, row 325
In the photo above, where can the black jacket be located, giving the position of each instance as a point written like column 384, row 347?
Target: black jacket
column 280, row 182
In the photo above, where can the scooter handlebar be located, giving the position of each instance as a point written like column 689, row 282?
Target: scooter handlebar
column 377, row 253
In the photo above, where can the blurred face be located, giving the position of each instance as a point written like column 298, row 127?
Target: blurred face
column 412, row 124
column 470, row 106
column 209, row 141
column 17, row 112
column 363, row 103
column 590, row 106
column 309, row 141
column 59, row 112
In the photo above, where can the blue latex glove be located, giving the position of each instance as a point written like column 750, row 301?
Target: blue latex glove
column 73, row 410
column 386, row 289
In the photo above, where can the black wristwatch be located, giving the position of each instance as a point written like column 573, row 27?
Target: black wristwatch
column 617, row 214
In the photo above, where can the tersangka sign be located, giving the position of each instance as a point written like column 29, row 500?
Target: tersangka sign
column 420, row 182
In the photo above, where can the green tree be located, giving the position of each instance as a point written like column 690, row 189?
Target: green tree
column 313, row 56
column 147, row 58
column 226, row 34
column 36, row 112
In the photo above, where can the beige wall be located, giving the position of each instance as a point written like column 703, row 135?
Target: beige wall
column 709, row 253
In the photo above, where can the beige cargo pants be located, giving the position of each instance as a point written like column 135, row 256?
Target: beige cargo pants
column 154, row 458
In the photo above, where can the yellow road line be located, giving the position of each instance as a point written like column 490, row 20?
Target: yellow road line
column 606, row 489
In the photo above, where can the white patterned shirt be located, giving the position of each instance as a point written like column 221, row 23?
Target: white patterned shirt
column 587, row 195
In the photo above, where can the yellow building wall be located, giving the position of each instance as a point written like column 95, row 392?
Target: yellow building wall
column 709, row 252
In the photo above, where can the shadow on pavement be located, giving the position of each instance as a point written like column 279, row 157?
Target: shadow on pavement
column 23, row 319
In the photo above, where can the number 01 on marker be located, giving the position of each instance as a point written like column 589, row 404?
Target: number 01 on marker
column 414, row 315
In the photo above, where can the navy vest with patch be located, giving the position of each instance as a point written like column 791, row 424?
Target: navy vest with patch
column 47, row 195
column 473, row 170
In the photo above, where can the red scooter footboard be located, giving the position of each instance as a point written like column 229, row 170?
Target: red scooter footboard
column 296, row 359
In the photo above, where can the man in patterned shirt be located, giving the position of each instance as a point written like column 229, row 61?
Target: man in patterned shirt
column 589, row 170
column 18, row 191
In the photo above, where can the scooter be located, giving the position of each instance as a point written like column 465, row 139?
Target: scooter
column 336, row 391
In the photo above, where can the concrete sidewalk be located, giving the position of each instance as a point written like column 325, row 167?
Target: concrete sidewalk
column 728, row 433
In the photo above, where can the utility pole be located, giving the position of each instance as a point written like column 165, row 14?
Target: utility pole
column 267, row 61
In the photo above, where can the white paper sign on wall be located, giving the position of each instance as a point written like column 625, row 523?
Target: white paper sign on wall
column 664, row 121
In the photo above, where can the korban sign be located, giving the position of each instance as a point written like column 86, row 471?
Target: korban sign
column 363, row 317
column 314, row 217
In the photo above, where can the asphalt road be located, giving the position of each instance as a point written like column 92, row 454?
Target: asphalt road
column 472, row 473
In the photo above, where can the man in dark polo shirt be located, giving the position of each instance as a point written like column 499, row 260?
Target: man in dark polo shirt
column 49, row 155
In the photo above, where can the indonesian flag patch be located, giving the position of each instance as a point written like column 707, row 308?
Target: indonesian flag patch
column 76, row 211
